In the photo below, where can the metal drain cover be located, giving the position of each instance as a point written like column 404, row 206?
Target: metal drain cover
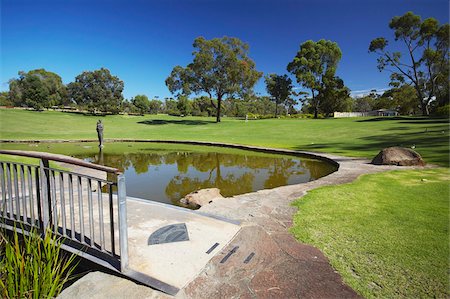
column 169, row 234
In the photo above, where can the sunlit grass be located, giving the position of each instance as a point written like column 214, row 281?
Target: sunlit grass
column 359, row 137
column 387, row 234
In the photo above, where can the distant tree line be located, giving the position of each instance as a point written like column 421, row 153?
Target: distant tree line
column 222, row 77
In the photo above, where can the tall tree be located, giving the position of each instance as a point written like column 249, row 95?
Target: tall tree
column 142, row 103
column 333, row 95
column 201, row 107
column 37, row 89
column 426, row 46
column 170, row 106
column 5, row 99
column 155, row 106
column 313, row 63
column 184, row 105
column 404, row 99
column 221, row 68
column 280, row 88
column 97, row 91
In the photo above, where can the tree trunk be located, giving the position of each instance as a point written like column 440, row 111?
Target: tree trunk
column 423, row 104
column 219, row 104
column 276, row 109
column 315, row 105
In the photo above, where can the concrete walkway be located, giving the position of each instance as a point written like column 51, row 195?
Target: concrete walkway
column 262, row 260
column 174, row 263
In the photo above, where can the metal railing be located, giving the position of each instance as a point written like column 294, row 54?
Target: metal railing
column 86, row 210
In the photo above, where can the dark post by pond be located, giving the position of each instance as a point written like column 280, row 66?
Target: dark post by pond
column 100, row 134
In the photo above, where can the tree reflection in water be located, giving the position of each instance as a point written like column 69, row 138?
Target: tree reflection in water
column 169, row 176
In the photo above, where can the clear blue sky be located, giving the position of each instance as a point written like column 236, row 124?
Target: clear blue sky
column 141, row 41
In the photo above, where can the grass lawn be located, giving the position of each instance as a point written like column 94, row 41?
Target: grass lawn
column 360, row 137
column 387, row 234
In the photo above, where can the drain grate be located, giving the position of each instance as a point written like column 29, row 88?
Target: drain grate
column 249, row 258
column 225, row 258
column 212, row 248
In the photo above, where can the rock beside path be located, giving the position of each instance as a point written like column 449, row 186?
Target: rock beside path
column 399, row 156
column 201, row 197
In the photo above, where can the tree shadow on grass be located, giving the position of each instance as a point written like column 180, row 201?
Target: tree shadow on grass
column 409, row 120
column 433, row 146
column 188, row 122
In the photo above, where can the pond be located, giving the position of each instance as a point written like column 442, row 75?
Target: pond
column 167, row 172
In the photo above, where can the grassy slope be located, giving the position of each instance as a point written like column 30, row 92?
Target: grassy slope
column 362, row 137
column 387, row 234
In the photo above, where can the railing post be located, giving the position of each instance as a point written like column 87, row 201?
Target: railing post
column 123, row 229
column 45, row 194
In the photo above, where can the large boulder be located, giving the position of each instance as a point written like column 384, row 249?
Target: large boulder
column 201, row 197
column 398, row 156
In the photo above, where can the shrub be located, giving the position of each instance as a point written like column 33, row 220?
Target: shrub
column 32, row 267
column 443, row 111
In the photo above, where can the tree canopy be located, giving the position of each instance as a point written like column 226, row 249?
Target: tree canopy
column 97, row 91
column 333, row 96
column 221, row 68
column 426, row 66
column 37, row 89
column 280, row 88
column 142, row 103
column 314, row 62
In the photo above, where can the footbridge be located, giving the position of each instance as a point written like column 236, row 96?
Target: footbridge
column 86, row 204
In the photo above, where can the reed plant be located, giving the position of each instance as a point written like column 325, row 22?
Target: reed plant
column 32, row 266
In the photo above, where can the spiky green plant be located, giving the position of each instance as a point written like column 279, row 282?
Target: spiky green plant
column 33, row 267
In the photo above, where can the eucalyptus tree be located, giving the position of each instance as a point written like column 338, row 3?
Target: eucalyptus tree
column 333, row 96
column 155, row 106
column 314, row 62
column 142, row 103
column 97, row 90
column 37, row 89
column 280, row 89
column 221, row 68
column 426, row 66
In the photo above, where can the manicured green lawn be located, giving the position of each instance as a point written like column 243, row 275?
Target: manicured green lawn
column 360, row 137
column 387, row 234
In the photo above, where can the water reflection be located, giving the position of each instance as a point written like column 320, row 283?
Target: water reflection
column 169, row 176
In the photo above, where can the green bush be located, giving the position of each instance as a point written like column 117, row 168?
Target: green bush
column 443, row 111
column 32, row 267
column 304, row 115
column 259, row 116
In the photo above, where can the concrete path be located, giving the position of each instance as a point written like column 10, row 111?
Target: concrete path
column 262, row 260
column 175, row 263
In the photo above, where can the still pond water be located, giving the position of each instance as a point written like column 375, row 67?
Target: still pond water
column 167, row 172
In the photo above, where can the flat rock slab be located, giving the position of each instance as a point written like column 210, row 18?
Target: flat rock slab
column 279, row 267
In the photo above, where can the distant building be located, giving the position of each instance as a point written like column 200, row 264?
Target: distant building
column 383, row 112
